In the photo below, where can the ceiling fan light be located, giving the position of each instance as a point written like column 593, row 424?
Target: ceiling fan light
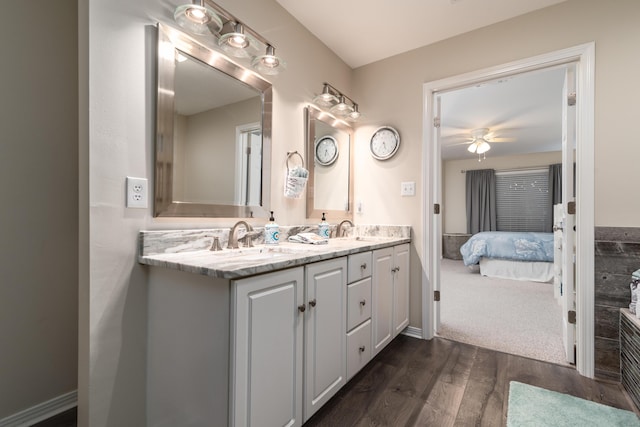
column 483, row 147
column 197, row 18
column 472, row 147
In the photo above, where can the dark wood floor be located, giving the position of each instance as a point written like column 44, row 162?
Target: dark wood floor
column 444, row 383
column 65, row 419
column 440, row 383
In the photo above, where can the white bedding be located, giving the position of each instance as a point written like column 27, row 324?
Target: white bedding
column 534, row 271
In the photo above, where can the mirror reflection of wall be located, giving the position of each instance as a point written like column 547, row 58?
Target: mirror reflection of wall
column 331, row 189
column 210, row 139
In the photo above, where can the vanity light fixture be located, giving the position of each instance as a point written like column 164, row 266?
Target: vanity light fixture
column 269, row 63
column 198, row 18
column 354, row 115
column 341, row 109
column 326, row 98
column 204, row 17
column 235, row 42
column 339, row 104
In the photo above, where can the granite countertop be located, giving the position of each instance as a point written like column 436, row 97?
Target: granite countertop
column 187, row 250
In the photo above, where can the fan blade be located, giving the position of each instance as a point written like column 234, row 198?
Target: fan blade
column 492, row 140
column 451, row 142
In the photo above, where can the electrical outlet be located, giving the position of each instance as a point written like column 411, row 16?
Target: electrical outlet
column 408, row 188
column 137, row 193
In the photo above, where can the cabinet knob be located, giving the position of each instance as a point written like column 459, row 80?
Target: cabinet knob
column 363, row 266
column 302, row 308
column 361, row 349
column 395, row 269
column 363, row 302
column 312, row 303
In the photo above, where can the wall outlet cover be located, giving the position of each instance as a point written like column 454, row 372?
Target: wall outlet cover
column 137, row 193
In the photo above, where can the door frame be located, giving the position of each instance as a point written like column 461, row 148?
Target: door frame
column 584, row 57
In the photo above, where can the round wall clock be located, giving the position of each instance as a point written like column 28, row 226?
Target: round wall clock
column 384, row 143
column 326, row 150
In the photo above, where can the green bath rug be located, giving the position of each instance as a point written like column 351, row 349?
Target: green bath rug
column 531, row 406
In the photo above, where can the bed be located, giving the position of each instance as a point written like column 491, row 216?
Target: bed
column 511, row 255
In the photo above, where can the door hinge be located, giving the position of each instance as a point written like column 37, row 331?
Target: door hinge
column 436, row 208
column 571, row 317
column 571, row 208
column 571, row 99
column 436, row 122
column 436, row 295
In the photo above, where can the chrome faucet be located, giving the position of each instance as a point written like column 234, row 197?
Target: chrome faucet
column 339, row 231
column 233, row 235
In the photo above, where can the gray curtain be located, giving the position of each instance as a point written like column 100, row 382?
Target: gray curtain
column 555, row 183
column 481, row 200
column 555, row 189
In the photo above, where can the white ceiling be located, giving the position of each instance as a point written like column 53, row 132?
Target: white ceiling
column 525, row 110
column 523, row 114
column 364, row 31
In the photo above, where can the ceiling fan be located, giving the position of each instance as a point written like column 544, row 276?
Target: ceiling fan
column 479, row 144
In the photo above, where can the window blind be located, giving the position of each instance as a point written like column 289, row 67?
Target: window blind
column 522, row 200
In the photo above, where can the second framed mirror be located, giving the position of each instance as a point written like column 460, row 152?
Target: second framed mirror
column 329, row 149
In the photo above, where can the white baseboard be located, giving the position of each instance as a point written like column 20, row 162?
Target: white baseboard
column 410, row 331
column 41, row 411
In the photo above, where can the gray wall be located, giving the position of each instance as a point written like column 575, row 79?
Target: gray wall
column 39, row 205
column 617, row 255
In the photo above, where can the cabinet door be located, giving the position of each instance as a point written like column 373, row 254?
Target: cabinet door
column 382, row 299
column 400, row 288
column 266, row 349
column 325, row 337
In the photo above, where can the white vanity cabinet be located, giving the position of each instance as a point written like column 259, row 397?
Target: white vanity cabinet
column 325, row 341
column 267, row 349
column 267, row 321
column 390, row 294
column 288, row 334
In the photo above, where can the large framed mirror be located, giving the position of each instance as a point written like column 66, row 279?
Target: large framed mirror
column 213, row 136
column 330, row 185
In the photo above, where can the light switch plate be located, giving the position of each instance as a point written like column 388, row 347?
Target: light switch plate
column 408, row 188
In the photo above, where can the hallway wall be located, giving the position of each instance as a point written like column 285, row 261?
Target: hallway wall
column 39, row 206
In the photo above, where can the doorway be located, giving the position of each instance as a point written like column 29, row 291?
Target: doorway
column 583, row 57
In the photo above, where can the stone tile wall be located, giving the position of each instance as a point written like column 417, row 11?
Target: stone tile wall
column 617, row 255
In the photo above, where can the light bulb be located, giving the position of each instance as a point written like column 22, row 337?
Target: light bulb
column 483, row 147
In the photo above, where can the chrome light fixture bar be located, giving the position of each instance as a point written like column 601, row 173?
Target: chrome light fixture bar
column 206, row 18
column 339, row 104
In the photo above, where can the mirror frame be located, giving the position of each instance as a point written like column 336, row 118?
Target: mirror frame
column 170, row 39
column 312, row 115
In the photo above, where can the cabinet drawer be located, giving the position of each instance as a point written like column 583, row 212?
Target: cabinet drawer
column 358, row 302
column 358, row 348
column 359, row 266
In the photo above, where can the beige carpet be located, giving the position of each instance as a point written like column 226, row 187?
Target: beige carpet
column 511, row 316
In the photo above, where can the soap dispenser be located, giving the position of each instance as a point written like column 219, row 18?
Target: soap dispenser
column 271, row 232
column 323, row 227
